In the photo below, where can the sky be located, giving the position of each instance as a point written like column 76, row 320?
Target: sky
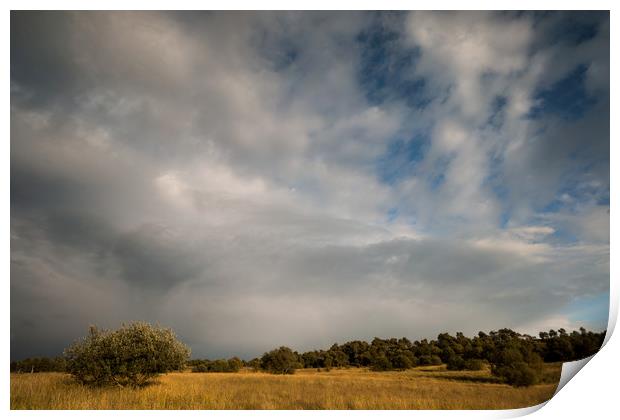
column 261, row 179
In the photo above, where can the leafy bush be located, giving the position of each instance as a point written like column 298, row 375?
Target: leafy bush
column 435, row 360
column 402, row 362
column 518, row 374
column 518, row 366
column 254, row 363
column 381, row 363
column 281, row 360
column 131, row 355
column 455, row 362
column 235, row 364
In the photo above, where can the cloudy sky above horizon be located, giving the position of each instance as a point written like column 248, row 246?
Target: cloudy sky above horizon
column 262, row 179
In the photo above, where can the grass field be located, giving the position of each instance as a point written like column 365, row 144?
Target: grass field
column 419, row 388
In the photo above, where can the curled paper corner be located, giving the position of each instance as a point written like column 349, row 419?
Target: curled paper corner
column 569, row 370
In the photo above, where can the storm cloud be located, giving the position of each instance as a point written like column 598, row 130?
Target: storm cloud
column 301, row 178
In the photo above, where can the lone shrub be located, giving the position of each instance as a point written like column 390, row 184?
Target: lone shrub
column 131, row 355
column 281, row 360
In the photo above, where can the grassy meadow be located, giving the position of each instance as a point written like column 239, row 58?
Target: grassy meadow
column 355, row 388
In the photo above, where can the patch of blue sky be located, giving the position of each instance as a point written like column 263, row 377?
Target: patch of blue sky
column 563, row 236
column 553, row 206
column 502, row 193
column 504, row 218
column 576, row 28
column 495, row 182
column 392, row 214
column 436, row 181
column 570, row 199
column 386, row 71
column 567, row 98
column 593, row 310
column 280, row 51
column 571, row 27
column 437, row 176
column 581, row 32
column 603, row 200
column 285, row 59
column 401, row 158
column 575, row 193
column 496, row 117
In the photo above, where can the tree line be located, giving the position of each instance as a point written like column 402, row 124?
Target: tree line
column 514, row 358
column 135, row 353
column 39, row 364
column 234, row 364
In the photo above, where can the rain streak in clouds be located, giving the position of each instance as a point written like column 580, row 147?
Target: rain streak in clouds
column 262, row 179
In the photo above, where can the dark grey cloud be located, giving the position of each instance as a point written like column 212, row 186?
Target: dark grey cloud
column 149, row 258
column 43, row 67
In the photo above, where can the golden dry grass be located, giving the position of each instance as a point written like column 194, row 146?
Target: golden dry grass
column 420, row 388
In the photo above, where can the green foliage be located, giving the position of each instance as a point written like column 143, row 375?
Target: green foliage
column 455, row 362
column 281, row 360
column 131, row 355
column 381, row 362
column 473, row 364
column 435, row 360
column 432, row 360
column 39, row 364
column 235, row 364
column 254, row 363
column 402, row 362
column 221, row 365
column 516, row 364
column 517, row 374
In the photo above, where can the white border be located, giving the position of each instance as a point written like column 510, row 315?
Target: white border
column 593, row 394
